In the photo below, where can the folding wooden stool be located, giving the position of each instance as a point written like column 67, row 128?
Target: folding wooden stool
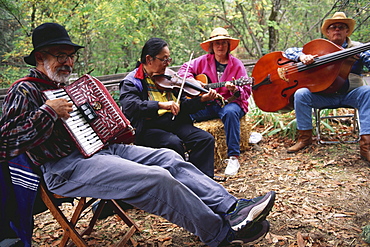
column 68, row 226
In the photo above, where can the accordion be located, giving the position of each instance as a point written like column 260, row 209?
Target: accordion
column 96, row 119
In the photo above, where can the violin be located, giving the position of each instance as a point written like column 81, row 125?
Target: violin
column 277, row 78
column 171, row 80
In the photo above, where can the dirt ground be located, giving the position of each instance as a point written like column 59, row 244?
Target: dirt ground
column 323, row 198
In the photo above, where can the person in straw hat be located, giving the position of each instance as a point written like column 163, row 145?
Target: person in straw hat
column 353, row 93
column 220, row 66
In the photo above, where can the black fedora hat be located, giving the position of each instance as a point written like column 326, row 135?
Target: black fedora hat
column 48, row 34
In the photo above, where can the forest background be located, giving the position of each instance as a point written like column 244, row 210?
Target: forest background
column 113, row 32
column 323, row 191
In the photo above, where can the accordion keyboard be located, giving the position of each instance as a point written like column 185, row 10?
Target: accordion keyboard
column 78, row 125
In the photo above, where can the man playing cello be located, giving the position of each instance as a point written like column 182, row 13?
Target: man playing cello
column 353, row 93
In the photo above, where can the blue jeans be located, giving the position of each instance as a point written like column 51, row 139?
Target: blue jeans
column 230, row 115
column 158, row 181
column 358, row 98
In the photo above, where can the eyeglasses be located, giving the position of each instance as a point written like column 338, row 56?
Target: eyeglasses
column 165, row 60
column 62, row 58
column 339, row 26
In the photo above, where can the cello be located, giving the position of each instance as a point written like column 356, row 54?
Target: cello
column 277, row 78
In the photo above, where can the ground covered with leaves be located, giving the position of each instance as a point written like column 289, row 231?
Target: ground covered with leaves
column 323, row 199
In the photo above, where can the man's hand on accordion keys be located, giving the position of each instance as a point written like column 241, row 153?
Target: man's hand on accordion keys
column 61, row 106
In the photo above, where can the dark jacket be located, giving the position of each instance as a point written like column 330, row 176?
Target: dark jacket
column 143, row 112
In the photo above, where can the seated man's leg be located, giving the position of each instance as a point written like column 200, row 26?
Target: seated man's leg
column 202, row 146
column 239, row 216
column 147, row 181
column 155, row 180
column 360, row 99
column 157, row 138
column 230, row 115
column 304, row 101
column 210, row 112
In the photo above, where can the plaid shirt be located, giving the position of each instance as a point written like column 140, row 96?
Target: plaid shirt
column 28, row 124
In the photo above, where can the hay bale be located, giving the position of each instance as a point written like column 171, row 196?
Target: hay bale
column 216, row 128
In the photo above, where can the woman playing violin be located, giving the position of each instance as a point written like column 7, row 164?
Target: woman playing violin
column 151, row 109
column 220, row 66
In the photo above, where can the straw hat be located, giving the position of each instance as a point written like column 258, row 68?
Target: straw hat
column 48, row 34
column 217, row 34
column 339, row 17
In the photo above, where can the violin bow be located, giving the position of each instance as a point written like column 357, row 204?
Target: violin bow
column 183, row 82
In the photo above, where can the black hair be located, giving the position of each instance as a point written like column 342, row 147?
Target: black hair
column 152, row 48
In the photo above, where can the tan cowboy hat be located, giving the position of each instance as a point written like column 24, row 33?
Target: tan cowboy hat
column 339, row 17
column 217, row 34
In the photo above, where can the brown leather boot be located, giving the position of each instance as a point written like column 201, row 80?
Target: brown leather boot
column 304, row 139
column 365, row 147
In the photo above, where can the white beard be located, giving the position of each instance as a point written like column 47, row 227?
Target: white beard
column 54, row 76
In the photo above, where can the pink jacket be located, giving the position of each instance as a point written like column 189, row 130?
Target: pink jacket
column 206, row 64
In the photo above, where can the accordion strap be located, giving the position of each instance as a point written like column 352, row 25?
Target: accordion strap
column 34, row 79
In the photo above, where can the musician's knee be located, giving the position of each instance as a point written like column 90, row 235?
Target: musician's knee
column 363, row 92
column 302, row 91
column 159, row 173
column 175, row 143
column 301, row 94
column 204, row 141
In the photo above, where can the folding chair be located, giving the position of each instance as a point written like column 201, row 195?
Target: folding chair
column 353, row 120
column 68, row 226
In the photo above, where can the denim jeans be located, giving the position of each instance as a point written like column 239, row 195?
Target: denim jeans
column 230, row 115
column 358, row 98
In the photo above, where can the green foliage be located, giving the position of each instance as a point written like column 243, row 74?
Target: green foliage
column 113, row 32
column 366, row 233
column 274, row 123
column 285, row 124
column 115, row 96
column 9, row 74
column 325, row 122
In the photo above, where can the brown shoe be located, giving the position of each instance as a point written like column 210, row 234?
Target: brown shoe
column 304, row 139
column 365, row 147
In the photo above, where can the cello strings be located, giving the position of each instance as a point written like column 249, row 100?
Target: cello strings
column 327, row 58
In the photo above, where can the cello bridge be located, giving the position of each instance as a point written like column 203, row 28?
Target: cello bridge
column 281, row 73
